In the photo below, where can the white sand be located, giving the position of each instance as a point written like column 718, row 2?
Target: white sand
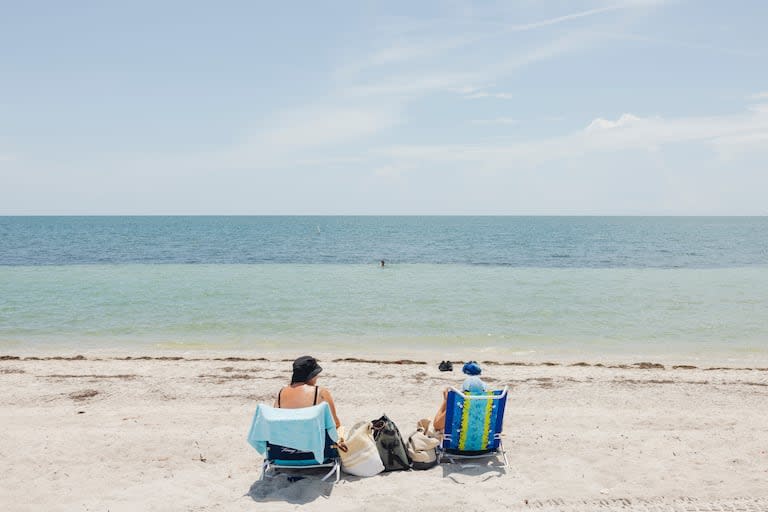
column 170, row 435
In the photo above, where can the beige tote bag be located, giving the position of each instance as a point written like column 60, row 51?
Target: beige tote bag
column 362, row 456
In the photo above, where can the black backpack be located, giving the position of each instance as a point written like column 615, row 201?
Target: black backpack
column 389, row 442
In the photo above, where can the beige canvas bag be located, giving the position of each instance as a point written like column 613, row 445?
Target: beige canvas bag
column 362, row 457
column 422, row 450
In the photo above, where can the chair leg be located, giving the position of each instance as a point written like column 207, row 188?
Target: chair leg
column 332, row 471
column 264, row 469
column 504, row 454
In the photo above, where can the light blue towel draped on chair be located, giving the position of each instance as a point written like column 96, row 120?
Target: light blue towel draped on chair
column 303, row 429
column 289, row 438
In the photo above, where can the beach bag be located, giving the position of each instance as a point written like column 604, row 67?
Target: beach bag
column 392, row 449
column 422, row 450
column 362, row 456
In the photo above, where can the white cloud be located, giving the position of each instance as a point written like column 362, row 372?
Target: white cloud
column 626, row 133
column 605, row 124
column 759, row 96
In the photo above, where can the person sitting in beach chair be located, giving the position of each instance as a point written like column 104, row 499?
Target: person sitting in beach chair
column 300, row 430
column 472, row 425
column 473, row 383
column 303, row 390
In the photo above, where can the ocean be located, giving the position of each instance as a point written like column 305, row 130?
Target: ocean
column 528, row 286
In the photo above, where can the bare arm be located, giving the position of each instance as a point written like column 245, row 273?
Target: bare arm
column 326, row 396
column 439, row 421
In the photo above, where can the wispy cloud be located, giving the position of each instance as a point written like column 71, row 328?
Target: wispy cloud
column 311, row 136
column 605, row 124
column 626, row 133
column 474, row 79
column 413, row 50
column 759, row 96
column 568, row 17
column 449, row 62
column 439, row 37
column 366, row 103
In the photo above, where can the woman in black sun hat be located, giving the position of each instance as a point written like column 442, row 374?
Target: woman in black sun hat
column 303, row 390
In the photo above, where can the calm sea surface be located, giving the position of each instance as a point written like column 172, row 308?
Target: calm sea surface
column 513, row 284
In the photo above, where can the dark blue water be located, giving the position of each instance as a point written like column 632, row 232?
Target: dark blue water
column 556, row 242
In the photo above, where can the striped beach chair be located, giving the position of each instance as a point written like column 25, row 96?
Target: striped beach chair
column 473, row 424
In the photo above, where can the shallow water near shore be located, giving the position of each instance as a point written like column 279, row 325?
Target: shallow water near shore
column 364, row 308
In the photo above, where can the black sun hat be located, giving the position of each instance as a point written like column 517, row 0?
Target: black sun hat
column 304, row 368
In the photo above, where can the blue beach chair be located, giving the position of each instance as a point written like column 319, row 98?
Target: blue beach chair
column 473, row 424
column 302, row 438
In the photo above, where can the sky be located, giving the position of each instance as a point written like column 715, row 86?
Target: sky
column 518, row 107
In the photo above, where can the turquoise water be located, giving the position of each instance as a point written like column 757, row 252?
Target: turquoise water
column 342, row 306
column 546, row 285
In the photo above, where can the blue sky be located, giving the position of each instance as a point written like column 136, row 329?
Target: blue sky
column 516, row 107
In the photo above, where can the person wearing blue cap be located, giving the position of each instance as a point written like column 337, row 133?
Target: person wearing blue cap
column 472, row 384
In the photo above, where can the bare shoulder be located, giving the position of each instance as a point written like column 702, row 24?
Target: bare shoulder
column 325, row 393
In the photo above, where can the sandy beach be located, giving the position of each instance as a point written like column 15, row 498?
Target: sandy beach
column 119, row 432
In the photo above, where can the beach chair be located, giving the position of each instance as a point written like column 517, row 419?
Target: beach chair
column 296, row 439
column 473, row 424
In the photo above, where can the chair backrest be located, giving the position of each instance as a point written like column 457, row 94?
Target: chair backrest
column 473, row 422
column 300, row 434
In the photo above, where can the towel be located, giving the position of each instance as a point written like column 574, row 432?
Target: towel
column 301, row 429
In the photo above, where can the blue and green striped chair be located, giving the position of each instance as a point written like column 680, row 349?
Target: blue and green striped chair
column 473, row 424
